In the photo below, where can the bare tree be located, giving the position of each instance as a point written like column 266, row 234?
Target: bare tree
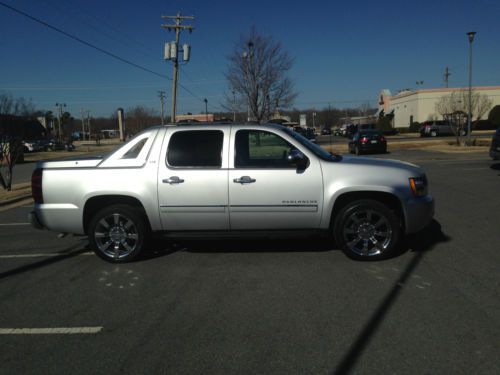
column 257, row 73
column 454, row 108
column 139, row 117
column 459, row 101
column 16, row 106
column 11, row 150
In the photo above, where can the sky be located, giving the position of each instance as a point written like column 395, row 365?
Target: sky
column 344, row 53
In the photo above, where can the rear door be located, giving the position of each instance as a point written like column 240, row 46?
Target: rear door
column 192, row 179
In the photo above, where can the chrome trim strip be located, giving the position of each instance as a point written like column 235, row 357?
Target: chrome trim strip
column 274, row 208
column 192, row 209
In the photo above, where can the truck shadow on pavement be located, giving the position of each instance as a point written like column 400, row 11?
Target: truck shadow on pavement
column 495, row 166
column 163, row 247
column 68, row 253
column 420, row 244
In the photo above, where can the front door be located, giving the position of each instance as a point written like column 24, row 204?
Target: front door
column 265, row 191
column 192, row 180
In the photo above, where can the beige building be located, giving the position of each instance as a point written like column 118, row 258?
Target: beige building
column 420, row 105
column 209, row 117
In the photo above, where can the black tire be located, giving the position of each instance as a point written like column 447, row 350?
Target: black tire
column 367, row 230
column 357, row 150
column 118, row 233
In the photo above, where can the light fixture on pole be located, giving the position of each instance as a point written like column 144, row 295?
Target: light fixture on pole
column 471, row 35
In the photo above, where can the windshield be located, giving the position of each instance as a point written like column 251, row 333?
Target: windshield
column 314, row 148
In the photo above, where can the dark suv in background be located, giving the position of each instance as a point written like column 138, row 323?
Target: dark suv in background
column 495, row 146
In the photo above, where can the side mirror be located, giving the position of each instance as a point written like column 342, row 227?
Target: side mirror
column 298, row 159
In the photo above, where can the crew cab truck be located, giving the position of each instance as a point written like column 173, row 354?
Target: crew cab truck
column 238, row 180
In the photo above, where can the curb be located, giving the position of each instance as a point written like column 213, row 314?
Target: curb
column 8, row 202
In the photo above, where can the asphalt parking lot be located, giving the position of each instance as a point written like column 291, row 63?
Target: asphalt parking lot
column 279, row 307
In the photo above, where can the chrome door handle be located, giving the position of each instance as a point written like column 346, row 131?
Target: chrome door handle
column 173, row 180
column 244, row 180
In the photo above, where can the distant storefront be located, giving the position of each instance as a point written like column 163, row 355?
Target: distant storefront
column 420, row 105
column 209, row 117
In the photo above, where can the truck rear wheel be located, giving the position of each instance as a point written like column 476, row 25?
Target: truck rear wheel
column 118, row 233
column 367, row 230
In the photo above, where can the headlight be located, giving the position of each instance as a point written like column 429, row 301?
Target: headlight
column 418, row 186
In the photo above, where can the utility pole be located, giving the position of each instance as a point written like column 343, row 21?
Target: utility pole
column 83, row 124
column 60, row 112
column 447, row 75
column 172, row 48
column 88, row 122
column 161, row 94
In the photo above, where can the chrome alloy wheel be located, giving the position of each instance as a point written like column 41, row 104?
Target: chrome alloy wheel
column 367, row 232
column 116, row 236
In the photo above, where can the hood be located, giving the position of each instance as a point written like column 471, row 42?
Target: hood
column 374, row 162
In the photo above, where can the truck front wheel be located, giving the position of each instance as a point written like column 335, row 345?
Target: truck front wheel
column 367, row 230
column 118, row 233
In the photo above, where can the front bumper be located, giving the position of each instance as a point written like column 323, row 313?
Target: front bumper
column 419, row 213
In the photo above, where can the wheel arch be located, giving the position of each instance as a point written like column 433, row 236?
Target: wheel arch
column 386, row 198
column 94, row 204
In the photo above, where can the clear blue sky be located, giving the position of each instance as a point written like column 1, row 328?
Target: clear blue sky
column 345, row 52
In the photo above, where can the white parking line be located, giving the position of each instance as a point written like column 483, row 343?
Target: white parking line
column 40, row 255
column 13, row 224
column 50, row 331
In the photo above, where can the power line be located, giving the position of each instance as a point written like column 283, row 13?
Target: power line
column 84, row 42
column 88, row 44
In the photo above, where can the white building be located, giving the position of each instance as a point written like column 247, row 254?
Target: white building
column 420, row 105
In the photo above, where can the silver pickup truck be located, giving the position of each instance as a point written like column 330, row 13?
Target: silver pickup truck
column 237, row 180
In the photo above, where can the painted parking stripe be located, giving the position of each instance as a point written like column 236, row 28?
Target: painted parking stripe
column 50, row 331
column 13, row 224
column 40, row 255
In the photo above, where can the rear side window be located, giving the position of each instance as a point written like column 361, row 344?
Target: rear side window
column 195, row 149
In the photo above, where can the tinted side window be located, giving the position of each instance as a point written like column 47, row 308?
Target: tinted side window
column 195, row 148
column 134, row 151
column 261, row 149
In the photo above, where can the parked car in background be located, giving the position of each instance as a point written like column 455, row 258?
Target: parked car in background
column 32, row 146
column 337, row 132
column 368, row 141
column 439, row 127
column 306, row 132
column 495, row 146
column 326, row 131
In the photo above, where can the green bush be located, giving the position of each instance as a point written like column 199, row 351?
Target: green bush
column 484, row 125
column 414, row 127
column 494, row 116
column 384, row 124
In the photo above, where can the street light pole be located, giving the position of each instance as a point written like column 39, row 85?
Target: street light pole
column 471, row 35
column 206, row 109
column 248, row 57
